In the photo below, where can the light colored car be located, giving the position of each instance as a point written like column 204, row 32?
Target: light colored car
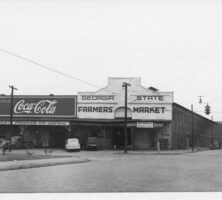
column 72, row 144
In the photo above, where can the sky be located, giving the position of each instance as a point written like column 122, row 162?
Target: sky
column 173, row 45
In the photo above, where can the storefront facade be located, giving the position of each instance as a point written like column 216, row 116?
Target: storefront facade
column 41, row 121
column 101, row 114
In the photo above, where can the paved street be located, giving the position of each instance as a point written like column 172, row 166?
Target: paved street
column 109, row 172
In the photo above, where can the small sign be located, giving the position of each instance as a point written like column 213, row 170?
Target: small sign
column 144, row 124
column 158, row 125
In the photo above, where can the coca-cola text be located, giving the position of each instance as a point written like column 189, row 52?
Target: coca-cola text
column 41, row 107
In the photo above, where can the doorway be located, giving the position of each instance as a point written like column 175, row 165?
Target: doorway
column 118, row 138
column 57, row 139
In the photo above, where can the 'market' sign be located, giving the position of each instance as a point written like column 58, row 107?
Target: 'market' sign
column 39, row 106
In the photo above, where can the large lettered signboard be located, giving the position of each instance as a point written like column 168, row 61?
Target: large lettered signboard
column 152, row 106
column 142, row 105
column 39, row 106
column 96, row 106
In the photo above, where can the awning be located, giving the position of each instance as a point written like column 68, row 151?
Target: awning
column 37, row 123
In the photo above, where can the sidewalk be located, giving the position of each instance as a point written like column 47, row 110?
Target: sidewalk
column 162, row 152
column 32, row 163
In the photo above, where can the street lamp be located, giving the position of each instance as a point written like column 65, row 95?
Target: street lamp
column 11, row 109
column 125, row 85
column 200, row 99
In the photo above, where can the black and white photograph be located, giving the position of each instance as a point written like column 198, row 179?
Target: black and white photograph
column 110, row 99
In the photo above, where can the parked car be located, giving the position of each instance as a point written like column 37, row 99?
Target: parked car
column 17, row 142
column 72, row 144
column 214, row 145
column 5, row 145
column 3, row 141
column 91, row 143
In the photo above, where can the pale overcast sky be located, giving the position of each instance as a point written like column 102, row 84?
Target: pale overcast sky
column 173, row 45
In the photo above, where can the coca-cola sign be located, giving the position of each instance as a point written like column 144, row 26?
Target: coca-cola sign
column 55, row 106
column 41, row 107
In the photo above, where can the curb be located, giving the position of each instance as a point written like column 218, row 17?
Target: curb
column 37, row 165
column 161, row 152
column 154, row 153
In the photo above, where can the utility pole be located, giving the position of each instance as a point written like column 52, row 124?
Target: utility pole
column 11, row 110
column 125, row 85
column 192, row 128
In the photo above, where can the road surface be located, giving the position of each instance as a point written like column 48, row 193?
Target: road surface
column 191, row 172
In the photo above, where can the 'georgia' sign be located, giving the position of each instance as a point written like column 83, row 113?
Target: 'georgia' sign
column 55, row 106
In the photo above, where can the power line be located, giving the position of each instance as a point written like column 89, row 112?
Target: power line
column 51, row 69
column 80, row 80
column 70, row 76
column 48, row 68
column 184, row 76
column 77, row 79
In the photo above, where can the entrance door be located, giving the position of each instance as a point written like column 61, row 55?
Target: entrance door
column 153, row 140
column 119, row 137
column 57, row 139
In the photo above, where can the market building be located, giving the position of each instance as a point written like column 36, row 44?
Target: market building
column 42, row 121
column 101, row 115
column 153, row 118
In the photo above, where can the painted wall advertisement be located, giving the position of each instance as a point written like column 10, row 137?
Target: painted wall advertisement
column 39, row 106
